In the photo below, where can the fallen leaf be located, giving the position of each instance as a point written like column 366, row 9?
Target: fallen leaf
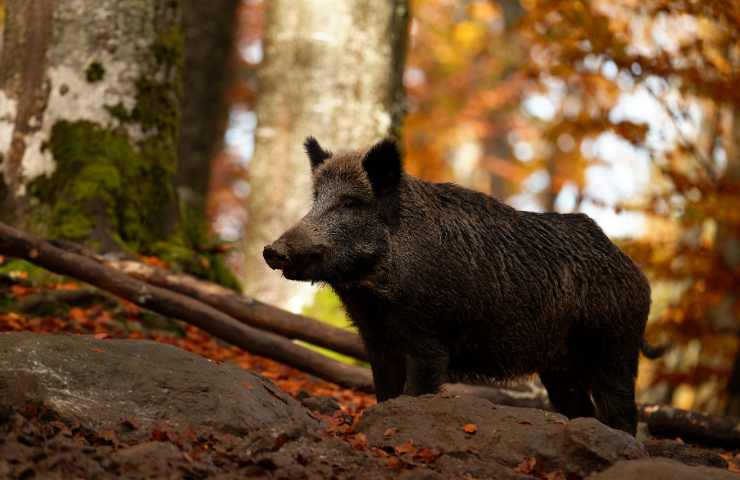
column 154, row 261
column 394, row 463
column 470, row 428
column 390, row 432
column 426, row 455
column 359, row 441
column 526, row 466
column 159, row 435
column 406, row 447
column 20, row 290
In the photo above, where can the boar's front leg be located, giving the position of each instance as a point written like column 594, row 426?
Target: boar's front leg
column 389, row 372
column 426, row 369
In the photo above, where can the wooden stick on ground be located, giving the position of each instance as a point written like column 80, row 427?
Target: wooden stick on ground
column 15, row 243
column 245, row 309
column 666, row 421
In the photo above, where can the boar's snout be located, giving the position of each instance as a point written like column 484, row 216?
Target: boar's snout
column 276, row 255
column 297, row 254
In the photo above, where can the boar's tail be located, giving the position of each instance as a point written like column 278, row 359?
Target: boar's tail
column 653, row 352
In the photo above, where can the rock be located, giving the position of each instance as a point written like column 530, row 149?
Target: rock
column 661, row 469
column 131, row 386
column 684, row 453
column 527, row 440
column 323, row 405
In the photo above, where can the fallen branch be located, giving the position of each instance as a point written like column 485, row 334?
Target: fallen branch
column 15, row 243
column 666, row 421
column 245, row 309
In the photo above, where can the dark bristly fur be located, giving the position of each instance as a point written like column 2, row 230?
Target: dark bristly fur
column 442, row 282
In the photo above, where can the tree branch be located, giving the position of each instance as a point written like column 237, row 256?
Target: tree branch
column 15, row 243
column 245, row 309
column 666, row 421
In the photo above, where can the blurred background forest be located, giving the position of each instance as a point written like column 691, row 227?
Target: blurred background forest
column 628, row 111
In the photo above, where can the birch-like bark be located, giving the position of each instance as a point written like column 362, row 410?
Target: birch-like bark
column 88, row 118
column 331, row 69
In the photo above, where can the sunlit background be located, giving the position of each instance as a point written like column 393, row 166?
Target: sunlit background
column 625, row 110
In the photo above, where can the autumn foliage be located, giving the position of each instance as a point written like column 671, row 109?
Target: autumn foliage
column 528, row 100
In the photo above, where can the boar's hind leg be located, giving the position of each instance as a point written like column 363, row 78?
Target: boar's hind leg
column 614, row 395
column 389, row 373
column 567, row 395
column 613, row 383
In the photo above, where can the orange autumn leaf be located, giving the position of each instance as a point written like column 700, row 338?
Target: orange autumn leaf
column 20, row 290
column 526, row 466
column 358, row 442
column 394, row 463
column 406, row 447
column 390, row 432
column 154, row 262
column 426, row 455
column 470, row 428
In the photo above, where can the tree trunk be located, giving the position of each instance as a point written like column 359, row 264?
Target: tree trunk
column 209, row 29
column 89, row 116
column 331, row 69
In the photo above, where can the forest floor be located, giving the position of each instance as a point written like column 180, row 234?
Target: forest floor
column 87, row 453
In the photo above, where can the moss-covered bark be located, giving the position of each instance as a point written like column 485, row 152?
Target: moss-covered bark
column 97, row 163
column 109, row 189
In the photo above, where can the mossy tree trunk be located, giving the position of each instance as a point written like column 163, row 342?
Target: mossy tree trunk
column 89, row 118
column 331, row 69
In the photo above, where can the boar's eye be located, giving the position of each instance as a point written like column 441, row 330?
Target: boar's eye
column 351, row 202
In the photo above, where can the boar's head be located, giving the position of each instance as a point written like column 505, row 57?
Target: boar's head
column 355, row 207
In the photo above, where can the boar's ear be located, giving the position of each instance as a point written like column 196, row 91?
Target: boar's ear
column 315, row 152
column 383, row 166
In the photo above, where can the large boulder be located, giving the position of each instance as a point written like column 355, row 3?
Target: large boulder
column 104, row 384
column 521, row 439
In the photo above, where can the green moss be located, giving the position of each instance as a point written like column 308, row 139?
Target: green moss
column 107, row 187
column 18, row 269
column 193, row 250
column 169, row 49
column 113, row 192
column 95, row 72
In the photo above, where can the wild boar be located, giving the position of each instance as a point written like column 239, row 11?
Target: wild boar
column 445, row 283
